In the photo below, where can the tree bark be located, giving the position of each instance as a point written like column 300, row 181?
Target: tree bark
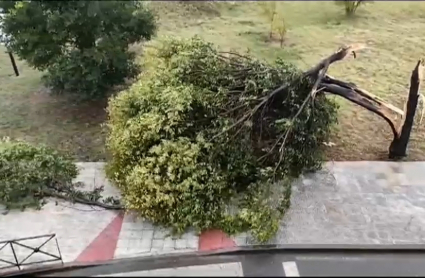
column 12, row 60
column 350, row 91
column 398, row 147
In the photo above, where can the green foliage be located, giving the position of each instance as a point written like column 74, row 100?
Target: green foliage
column 92, row 72
column 83, row 45
column 26, row 171
column 29, row 174
column 180, row 159
column 351, row 7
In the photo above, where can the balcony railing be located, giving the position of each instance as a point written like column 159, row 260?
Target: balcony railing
column 17, row 263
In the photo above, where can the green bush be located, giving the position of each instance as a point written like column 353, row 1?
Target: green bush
column 27, row 171
column 172, row 158
column 90, row 73
column 351, row 7
column 83, row 45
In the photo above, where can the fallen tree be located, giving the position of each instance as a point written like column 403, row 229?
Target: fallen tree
column 204, row 131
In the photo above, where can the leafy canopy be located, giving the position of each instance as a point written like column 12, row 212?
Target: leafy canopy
column 351, row 7
column 176, row 157
column 78, row 42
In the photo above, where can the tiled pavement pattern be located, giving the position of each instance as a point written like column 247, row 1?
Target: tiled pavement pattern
column 347, row 202
column 139, row 237
column 356, row 203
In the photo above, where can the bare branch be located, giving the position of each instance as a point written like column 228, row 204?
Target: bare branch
column 339, row 55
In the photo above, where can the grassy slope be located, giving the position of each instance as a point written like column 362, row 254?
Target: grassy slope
column 27, row 111
column 393, row 31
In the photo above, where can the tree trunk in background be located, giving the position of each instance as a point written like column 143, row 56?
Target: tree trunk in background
column 12, row 59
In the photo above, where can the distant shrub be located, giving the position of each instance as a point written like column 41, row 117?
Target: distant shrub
column 351, row 6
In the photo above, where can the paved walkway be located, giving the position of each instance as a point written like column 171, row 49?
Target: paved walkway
column 357, row 203
column 347, row 202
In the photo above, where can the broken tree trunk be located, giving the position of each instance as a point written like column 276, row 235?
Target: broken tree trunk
column 398, row 146
column 324, row 83
column 350, row 91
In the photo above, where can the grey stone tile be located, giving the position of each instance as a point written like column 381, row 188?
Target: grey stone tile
column 414, row 172
column 158, row 244
column 169, row 243
column 192, row 243
column 181, row 244
column 142, row 245
column 160, row 233
column 147, row 234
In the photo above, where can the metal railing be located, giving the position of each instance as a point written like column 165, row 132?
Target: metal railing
column 24, row 262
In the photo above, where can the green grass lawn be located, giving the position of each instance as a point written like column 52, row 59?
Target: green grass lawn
column 394, row 33
column 29, row 112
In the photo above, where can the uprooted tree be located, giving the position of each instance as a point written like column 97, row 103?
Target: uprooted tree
column 201, row 139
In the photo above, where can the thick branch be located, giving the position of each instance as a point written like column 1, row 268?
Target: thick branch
column 51, row 193
column 355, row 97
column 364, row 93
column 339, row 55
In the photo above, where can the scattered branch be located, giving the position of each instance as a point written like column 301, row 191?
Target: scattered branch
column 84, row 201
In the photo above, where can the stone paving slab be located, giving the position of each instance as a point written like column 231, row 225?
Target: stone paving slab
column 140, row 237
column 75, row 227
column 356, row 203
column 346, row 202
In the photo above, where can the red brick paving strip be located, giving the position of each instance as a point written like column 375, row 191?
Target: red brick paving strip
column 103, row 247
column 213, row 240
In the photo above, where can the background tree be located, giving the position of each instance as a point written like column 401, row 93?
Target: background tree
column 83, row 45
column 268, row 11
